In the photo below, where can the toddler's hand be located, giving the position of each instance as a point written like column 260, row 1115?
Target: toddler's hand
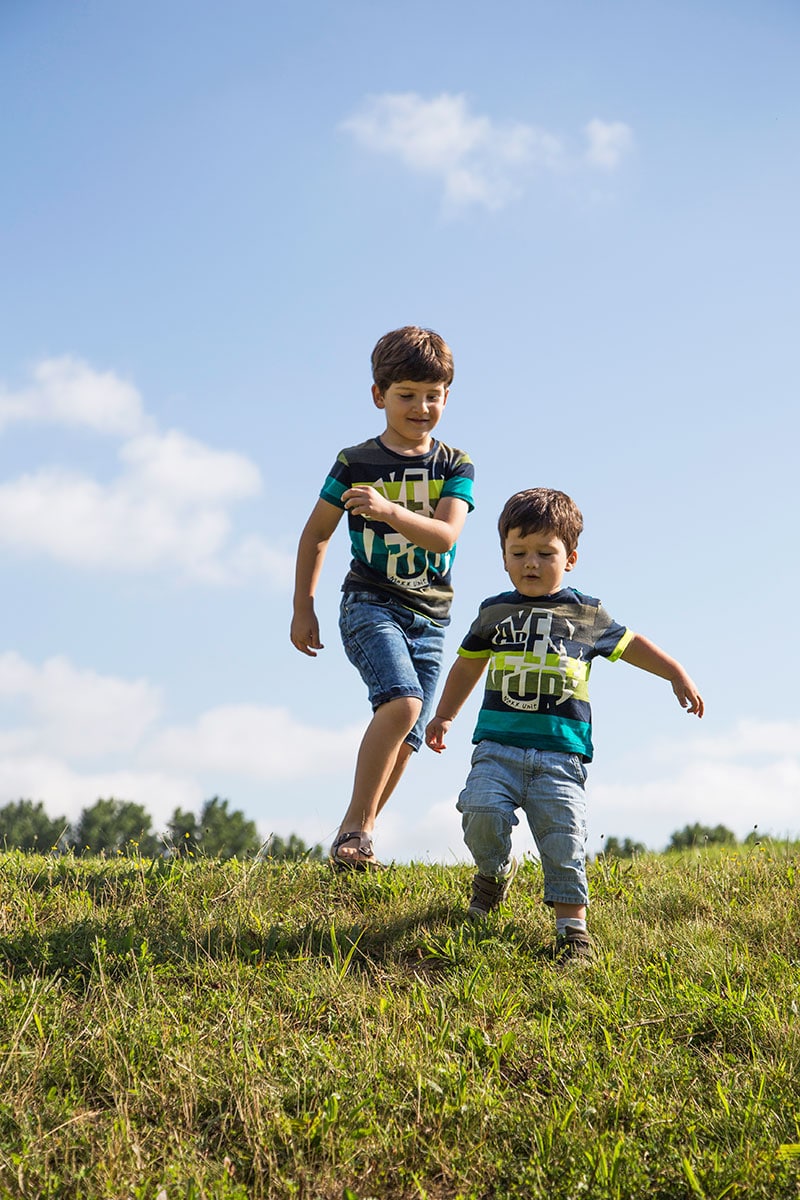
column 435, row 732
column 688, row 696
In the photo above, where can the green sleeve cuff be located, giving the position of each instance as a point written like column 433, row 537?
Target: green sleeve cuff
column 622, row 645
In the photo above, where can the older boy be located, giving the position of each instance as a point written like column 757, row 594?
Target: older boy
column 406, row 496
column 534, row 728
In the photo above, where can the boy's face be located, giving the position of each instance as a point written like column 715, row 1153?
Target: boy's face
column 537, row 561
column 413, row 411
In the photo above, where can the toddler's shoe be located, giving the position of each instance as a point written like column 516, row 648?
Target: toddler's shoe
column 489, row 891
column 573, row 945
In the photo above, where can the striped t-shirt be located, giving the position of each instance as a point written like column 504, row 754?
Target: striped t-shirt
column 540, row 651
column 383, row 560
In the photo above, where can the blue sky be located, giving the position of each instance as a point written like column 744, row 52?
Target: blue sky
column 208, row 215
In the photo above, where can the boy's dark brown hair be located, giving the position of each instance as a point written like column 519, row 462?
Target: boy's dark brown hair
column 540, row 510
column 411, row 353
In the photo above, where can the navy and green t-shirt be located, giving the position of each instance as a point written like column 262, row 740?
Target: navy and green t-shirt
column 540, row 651
column 383, row 560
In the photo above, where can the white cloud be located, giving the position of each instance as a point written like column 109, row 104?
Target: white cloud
column 746, row 776
column 751, row 738
column 253, row 558
column 175, row 467
column 65, row 791
column 74, row 712
column 69, row 392
column 62, row 726
column 168, row 508
column 70, row 735
column 118, row 526
column 609, row 142
column 433, row 835
column 63, row 710
column 711, row 793
column 478, row 160
column 257, row 741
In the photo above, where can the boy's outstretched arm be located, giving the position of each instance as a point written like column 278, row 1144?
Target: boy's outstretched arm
column 311, row 550
column 438, row 533
column 646, row 654
column 464, row 674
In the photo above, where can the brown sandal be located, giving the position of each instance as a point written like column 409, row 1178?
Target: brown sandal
column 362, row 860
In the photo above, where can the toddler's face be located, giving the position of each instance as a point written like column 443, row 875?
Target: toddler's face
column 537, row 562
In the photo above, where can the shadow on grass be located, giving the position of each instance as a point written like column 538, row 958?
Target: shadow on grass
column 174, row 916
column 104, row 880
column 76, row 949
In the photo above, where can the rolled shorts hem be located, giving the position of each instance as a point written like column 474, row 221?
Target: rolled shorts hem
column 396, row 693
column 550, row 900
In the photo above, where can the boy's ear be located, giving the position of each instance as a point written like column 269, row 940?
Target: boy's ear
column 377, row 398
column 571, row 560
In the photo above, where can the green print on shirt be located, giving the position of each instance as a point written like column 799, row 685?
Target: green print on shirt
column 386, row 561
column 538, row 667
column 415, row 491
column 402, row 561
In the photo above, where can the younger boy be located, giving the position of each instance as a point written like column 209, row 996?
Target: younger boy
column 406, row 496
column 534, row 728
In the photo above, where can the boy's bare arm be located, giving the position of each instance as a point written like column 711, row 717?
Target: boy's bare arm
column 438, row 533
column 311, row 550
column 464, row 674
column 641, row 652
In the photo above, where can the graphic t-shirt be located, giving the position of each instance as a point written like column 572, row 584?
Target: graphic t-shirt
column 383, row 560
column 540, row 651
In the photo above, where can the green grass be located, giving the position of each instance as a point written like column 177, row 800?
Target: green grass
column 200, row 1029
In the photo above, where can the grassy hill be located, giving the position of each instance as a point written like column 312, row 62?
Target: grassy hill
column 203, row 1029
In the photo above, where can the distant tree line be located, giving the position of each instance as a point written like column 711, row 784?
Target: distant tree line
column 112, row 827
column 614, row 847
column 688, row 838
column 701, row 835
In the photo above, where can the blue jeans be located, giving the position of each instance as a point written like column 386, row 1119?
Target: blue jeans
column 548, row 786
column 396, row 651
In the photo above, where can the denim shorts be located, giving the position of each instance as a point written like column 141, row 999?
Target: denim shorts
column 549, row 786
column 396, row 651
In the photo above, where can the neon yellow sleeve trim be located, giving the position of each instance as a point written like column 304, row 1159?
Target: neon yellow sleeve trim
column 622, row 645
column 473, row 653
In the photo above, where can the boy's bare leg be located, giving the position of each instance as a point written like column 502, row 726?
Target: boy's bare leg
column 380, row 763
column 400, row 764
column 570, row 910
